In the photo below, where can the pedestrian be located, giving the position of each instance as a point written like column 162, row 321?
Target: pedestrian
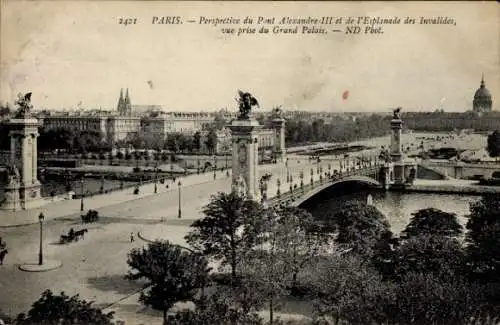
column 2, row 255
column 131, row 237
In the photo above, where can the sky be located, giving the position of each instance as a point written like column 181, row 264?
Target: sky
column 75, row 54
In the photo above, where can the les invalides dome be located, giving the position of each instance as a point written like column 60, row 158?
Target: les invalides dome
column 482, row 99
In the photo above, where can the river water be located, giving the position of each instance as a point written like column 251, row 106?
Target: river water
column 396, row 206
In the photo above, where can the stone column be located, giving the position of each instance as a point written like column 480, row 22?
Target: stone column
column 23, row 192
column 279, row 140
column 34, row 149
column 245, row 156
column 396, row 152
column 401, row 165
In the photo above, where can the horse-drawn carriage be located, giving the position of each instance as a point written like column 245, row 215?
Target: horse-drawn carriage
column 72, row 236
column 91, row 216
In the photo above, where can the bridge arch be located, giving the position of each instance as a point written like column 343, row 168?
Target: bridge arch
column 358, row 179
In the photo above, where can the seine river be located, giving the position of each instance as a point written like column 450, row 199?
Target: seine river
column 397, row 207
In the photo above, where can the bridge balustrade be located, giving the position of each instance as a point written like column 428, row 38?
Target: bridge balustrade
column 289, row 197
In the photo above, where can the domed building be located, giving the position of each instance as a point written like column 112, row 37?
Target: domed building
column 482, row 99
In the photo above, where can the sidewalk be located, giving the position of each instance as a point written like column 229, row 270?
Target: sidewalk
column 64, row 208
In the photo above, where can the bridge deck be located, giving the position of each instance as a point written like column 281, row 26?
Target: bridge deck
column 291, row 197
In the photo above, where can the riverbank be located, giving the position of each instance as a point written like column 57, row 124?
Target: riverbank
column 451, row 186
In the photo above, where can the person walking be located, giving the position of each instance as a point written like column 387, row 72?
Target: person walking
column 131, row 237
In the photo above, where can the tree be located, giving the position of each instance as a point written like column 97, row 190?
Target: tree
column 216, row 309
column 219, row 121
column 59, row 138
column 88, row 141
column 171, row 143
column 61, row 309
column 173, row 273
column 423, row 298
column 185, row 142
column 433, row 222
column 265, row 267
column 493, row 147
column 443, row 257
column 5, row 110
column 359, row 227
column 299, row 239
column 346, row 288
column 197, row 141
column 227, row 230
column 483, row 237
column 211, row 141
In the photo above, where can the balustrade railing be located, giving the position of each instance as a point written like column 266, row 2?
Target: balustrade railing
column 305, row 188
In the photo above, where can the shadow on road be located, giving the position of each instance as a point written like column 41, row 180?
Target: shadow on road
column 179, row 222
column 127, row 220
column 115, row 283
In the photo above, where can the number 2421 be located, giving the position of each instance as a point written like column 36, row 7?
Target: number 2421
column 127, row 21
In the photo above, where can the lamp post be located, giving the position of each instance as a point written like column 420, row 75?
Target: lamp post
column 263, row 189
column 101, row 189
column 215, row 166
column 82, row 182
column 41, row 217
column 172, row 162
column 180, row 210
column 156, row 178
column 278, row 183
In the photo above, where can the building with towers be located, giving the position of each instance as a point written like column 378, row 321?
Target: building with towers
column 124, row 106
column 482, row 99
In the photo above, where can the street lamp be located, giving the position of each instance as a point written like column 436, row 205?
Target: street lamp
column 156, row 178
column 82, row 182
column 215, row 166
column 180, row 211
column 40, row 253
column 263, row 189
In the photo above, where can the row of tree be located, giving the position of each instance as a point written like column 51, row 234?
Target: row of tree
column 82, row 142
column 176, row 142
column 341, row 130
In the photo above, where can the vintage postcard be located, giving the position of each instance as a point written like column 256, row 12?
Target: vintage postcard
column 249, row 162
